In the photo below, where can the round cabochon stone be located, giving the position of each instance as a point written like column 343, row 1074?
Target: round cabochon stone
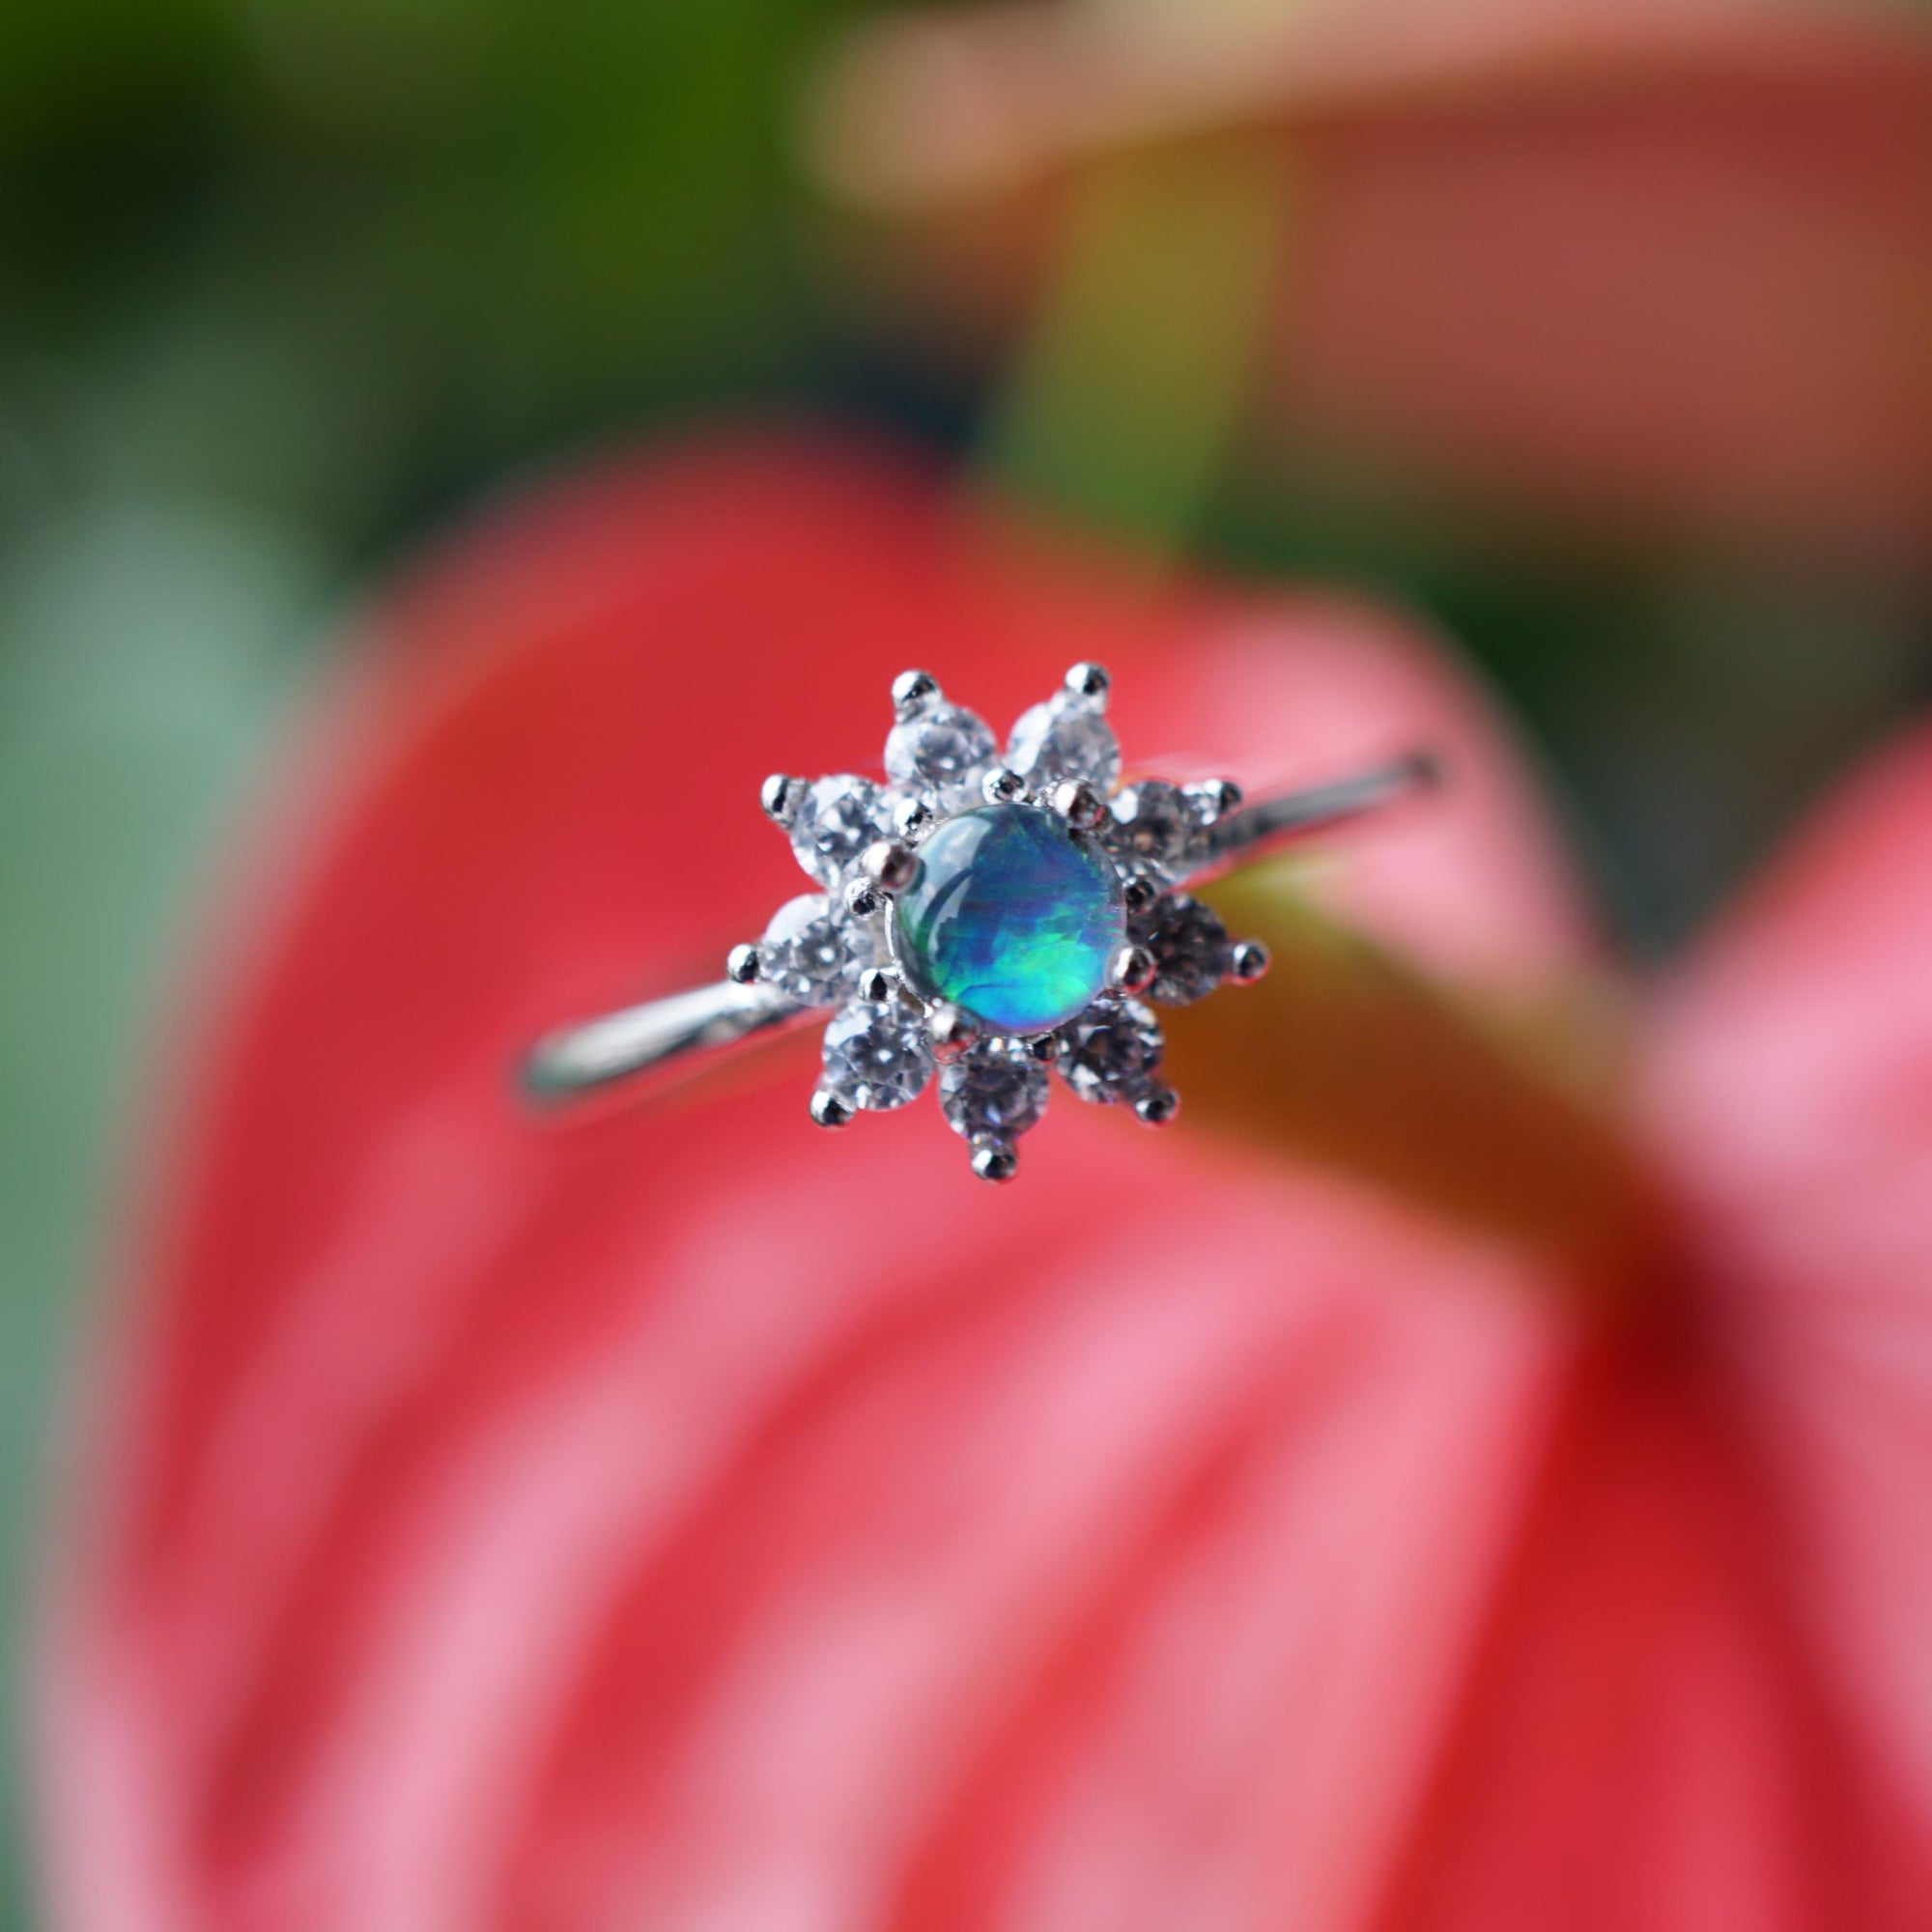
column 1011, row 918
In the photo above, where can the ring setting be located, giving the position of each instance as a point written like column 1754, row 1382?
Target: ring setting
column 986, row 921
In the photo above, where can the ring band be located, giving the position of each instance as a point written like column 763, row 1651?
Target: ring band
column 985, row 922
column 677, row 1034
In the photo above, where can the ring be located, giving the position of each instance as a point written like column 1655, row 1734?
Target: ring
column 982, row 924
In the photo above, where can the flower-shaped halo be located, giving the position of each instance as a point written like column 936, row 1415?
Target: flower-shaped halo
column 988, row 920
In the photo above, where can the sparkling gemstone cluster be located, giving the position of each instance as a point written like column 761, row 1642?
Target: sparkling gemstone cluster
column 992, row 920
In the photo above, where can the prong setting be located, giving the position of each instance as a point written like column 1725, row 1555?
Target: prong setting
column 914, row 692
column 952, row 1030
column 1248, row 962
column 891, row 865
column 997, row 1161
column 913, row 818
column 828, row 1110
column 780, row 795
column 863, row 899
column 1003, row 788
column 1088, row 681
column 1214, row 800
column 741, row 965
column 1078, row 802
column 1132, row 969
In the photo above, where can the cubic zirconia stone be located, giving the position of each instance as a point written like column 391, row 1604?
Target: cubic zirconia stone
column 876, row 1056
column 1155, row 825
column 1067, row 737
column 1112, row 1051
column 1011, row 918
column 813, row 953
column 992, row 1093
column 1190, row 952
column 945, row 751
column 838, row 818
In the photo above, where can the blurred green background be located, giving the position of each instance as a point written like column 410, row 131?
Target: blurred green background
column 284, row 286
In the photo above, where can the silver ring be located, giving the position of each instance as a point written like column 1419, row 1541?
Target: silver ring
column 981, row 922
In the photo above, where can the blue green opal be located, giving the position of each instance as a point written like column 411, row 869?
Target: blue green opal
column 1010, row 918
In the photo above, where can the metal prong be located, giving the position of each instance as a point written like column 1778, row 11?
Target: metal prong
column 890, row 865
column 1088, row 680
column 1132, row 969
column 912, row 816
column 1248, row 962
column 741, row 965
column 951, row 1028
column 1003, row 788
column 863, row 899
column 1215, row 799
column 1140, row 896
column 877, row 984
column 913, row 691
column 1046, row 1047
column 995, row 1161
column 1078, row 802
column 782, row 796
column 1157, row 1106
column 828, row 1110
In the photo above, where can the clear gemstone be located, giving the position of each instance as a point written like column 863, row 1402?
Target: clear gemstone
column 838, row 818
column 1190, row 952
column 993, row 1092
column 813, row 953
column 1067, row 737
column 876, row 1056
column 945, row 751
column 1112, row 1051
column 1155, row 825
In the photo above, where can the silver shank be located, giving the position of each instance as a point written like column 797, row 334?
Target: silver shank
column 664, row 1037
column 1270, row 825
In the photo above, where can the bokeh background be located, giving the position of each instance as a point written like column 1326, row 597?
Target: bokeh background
column 286, row 287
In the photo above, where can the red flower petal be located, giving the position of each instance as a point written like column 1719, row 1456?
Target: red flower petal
column 1793, row 1090
column 699, row 1521
column 1646, row 1738
column 1703, row 1701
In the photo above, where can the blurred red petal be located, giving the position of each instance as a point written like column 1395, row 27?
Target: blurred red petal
column 696, row 1520
column 1793, row 1091
column 1703, row 1699
column 1689, row 304
column 1647, row 1737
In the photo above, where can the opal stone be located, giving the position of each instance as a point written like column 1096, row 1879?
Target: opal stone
column 1011, row 918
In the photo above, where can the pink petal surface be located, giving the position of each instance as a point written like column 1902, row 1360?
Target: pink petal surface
column 700, row 1521
column 1705, row 1698
column 1693, row 303
column 1792, row 1085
